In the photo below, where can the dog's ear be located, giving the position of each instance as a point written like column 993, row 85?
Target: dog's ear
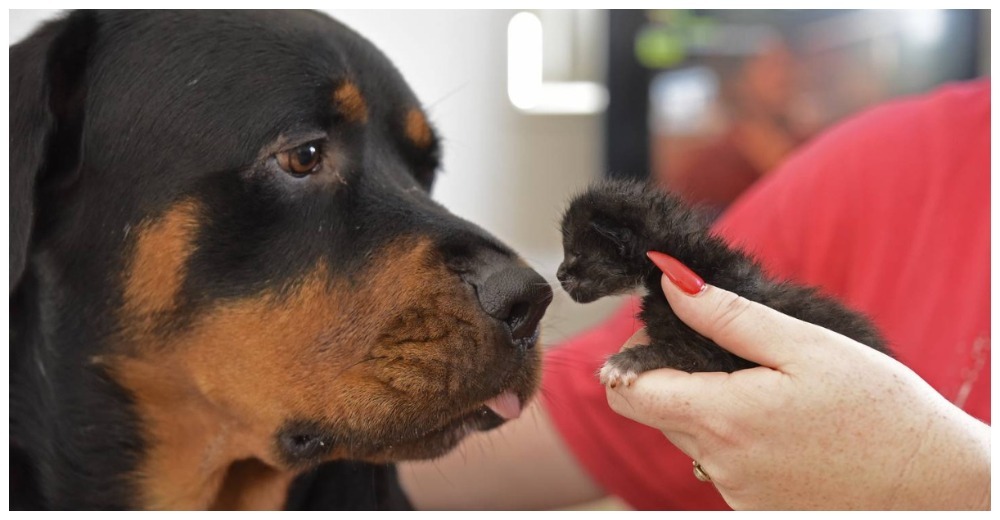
column 47, row 93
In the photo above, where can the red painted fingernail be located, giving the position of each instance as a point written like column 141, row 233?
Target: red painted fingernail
column 679, row 274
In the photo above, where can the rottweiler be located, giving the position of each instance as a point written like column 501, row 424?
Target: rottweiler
column 229, row 284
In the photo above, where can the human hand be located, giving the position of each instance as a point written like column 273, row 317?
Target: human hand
column 824, row 423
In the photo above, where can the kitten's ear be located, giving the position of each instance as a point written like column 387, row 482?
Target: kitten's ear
column 622, row 237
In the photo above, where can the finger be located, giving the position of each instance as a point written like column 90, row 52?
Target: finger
column 667, row 399
column 685, row 442
column 745, row 328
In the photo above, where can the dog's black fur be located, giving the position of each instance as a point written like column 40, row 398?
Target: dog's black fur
column 119, row 120
column 607, row 231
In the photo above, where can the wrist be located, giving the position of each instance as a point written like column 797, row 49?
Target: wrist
column 971, row 489
column 951, row 471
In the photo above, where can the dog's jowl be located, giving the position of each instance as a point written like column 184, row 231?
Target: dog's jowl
column 230, row 287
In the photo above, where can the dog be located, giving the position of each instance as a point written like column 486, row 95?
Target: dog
column 229, row 284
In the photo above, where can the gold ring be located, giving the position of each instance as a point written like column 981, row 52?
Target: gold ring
column 699, row 472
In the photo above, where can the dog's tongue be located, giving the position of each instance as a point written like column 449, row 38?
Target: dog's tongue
column 506, row 405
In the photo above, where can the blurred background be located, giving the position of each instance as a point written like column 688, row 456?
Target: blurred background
column 535, row 105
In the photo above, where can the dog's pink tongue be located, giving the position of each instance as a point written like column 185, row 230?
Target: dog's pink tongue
column 506, row 405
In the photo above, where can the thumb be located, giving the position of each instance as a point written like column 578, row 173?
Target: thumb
column 748, row 329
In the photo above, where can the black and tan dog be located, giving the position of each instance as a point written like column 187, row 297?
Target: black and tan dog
column 229, row 284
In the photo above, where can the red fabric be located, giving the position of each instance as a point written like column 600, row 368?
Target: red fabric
column 890, row 212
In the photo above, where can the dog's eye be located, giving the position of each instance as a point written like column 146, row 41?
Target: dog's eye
column 300, row 161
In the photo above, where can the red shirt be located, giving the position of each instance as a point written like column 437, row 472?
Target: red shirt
column 889, row 212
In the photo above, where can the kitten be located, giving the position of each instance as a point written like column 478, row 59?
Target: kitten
column 607, row 231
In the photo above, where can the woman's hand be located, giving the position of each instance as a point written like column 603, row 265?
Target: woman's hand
column 824, row 423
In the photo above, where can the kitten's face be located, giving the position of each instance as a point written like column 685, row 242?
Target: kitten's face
column 598, row 255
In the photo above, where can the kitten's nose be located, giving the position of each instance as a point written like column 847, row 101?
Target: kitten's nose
column 561, row 273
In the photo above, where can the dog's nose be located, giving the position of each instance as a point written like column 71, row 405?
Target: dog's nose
column 518, row 297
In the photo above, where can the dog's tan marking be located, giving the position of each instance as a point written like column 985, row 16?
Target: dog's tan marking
column 361, row 353
column 349, row 102
column 416, row 128
column 155, row 271
column 252, row 485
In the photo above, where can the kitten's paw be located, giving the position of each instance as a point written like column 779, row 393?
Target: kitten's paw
column 624, row 367
column 612, row 375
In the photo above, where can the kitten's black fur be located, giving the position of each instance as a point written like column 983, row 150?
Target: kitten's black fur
column 607, row 231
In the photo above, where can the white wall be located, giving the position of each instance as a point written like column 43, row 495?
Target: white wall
column 507, row 171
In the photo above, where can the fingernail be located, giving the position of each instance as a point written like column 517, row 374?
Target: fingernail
column 678, row 273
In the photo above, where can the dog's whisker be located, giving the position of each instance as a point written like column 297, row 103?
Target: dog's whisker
column 431, row 106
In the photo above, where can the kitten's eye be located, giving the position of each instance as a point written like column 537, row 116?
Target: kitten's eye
column 300, row 161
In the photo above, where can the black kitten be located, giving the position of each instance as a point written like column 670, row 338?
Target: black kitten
column 606, row 233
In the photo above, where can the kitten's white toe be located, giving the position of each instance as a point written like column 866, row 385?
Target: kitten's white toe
column 612, row 376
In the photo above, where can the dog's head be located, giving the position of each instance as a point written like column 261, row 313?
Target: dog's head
column 226, row 216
